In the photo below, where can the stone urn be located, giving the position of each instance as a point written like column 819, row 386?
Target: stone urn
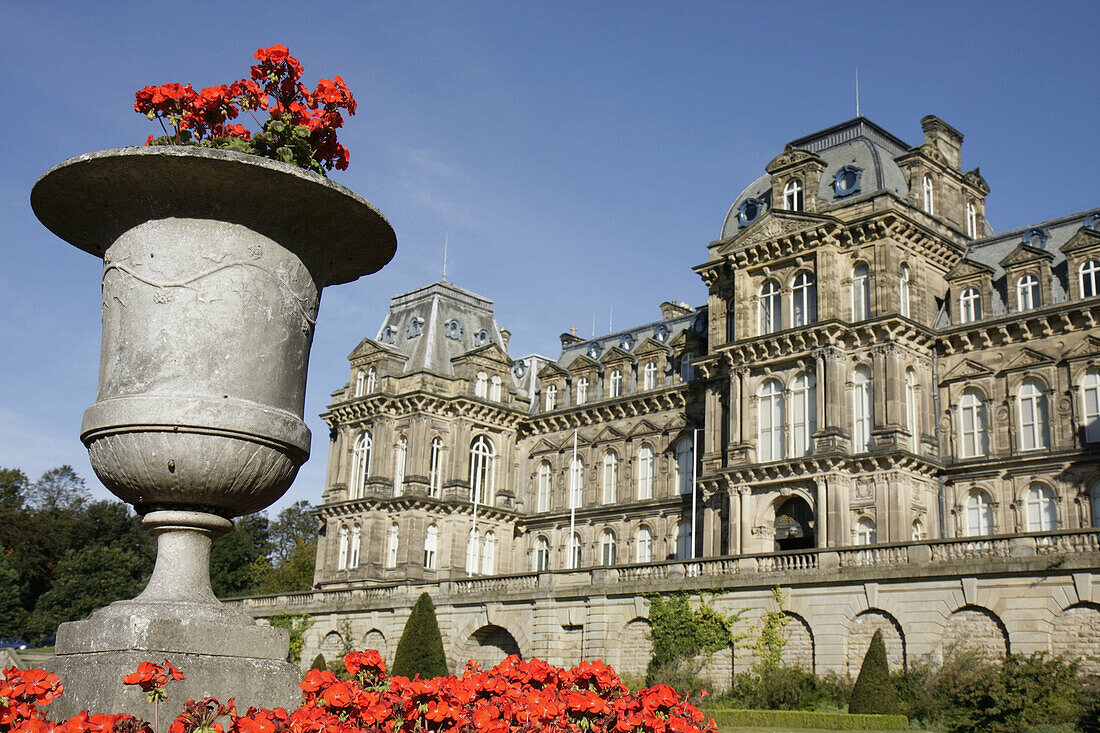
column 213, row 265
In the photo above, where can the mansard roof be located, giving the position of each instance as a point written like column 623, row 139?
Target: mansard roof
column 662, row 332
column 1053, row 234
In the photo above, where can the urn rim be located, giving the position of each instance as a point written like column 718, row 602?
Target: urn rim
column 92, row 199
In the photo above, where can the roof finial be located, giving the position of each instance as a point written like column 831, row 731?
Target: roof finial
column 573, row 330
column 857, row 91
column 445, row 237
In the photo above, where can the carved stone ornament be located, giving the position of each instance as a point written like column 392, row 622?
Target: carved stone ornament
column 790, row 156
column 771, row 228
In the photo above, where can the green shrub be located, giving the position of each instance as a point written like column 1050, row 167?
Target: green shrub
column 319, row 662
column 420, row 651
column 296, row 624
column 806, row 719
column 1088, row 720
column 874, row 691
column 685, row 638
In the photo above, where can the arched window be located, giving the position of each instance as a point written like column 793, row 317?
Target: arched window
column 929, row 196
column 435, row 468
column 1027, row 293
column 649, row 375
column 543, row 490
column 903, row 289
column 616, row 383
column 912, row 414
column 1042, row 514
column 770, row 419
column 608, row 555
column 803, row 299
column 360, row 465
column 496, row 388
column 610, row 477
column 372, row 380
column 1090, row 405
column 683, row 475
column 643, row 544
column 582, row 390
column 473, row 545
column 392, row 545
column 482, row 470
column 970, row 305
column 1089, row 273
column 979, row 514
column 866, row 533
column 1033, row 413
column 551, row 398
column 971, row 220
column 645, row 472
column 354, row 545
column 687, row 370
column 861, row 292
column 793, row 198
column 489, row 554
column 481, row 385
column 431, row 546
column 973, row 425
column 771, row 307
column 861, row 410
column 1094, row 505
column 400, row 455
column 542, row 554
column 575, row 552
column 576, row 483
column 803, row 414
column 342, row 548
column 683, row 540
column 360, row 382
column 917, row 533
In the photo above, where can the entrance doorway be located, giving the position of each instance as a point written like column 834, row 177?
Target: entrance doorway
column 794, row 525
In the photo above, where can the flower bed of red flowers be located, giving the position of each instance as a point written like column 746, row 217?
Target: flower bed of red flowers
column 515, row 695
column 300, row 128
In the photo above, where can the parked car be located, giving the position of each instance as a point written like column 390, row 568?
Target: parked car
column 9, row 642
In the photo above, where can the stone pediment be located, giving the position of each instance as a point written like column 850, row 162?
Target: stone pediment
column 966, row 370
column 369, row 347
column 551, row 371
column 1025, row 254
column 967, row 268
column 545, row 446
column 582, row 363
column 1090, row 347
column 1028, row 358
column 608, row 434
column 685, row 340
column 792, row 156
column 773, row 224
column 1082, row 241
column 650, row 346
column 616, row 355
column 490, row 352
column 644, row 427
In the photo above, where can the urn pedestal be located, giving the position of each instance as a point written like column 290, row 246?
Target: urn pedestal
column 213, row 266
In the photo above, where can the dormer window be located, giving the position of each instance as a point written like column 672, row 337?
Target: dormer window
column 481, row 385
column 1036, row 238
column 661, row 332
column 970, row 306
column 793, row 198
column 519, row 369
column 929, row 195
column 387, row 335
column 626, row 343
column 372, row 380
column 971, row 220
column 360, row 383
column 481, row 337
column 582, row 390
column 649, row 375
column 415, row 327
column 1090, row 279
column 594, row 350
column 616, row 384
column 496, row 388
column 749, row 211
column 1092, row 221
column 550, row 399
column 1027, row 292
column 846, row 181
column 452, row 329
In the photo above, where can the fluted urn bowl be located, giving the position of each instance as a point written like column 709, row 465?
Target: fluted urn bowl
column 213, row 265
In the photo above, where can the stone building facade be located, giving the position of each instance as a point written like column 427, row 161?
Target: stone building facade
column 883, row 406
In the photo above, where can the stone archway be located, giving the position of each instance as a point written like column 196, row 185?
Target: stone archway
column 490, row 644
column 376, row 640
column 799, row 650
column 332, row 646
column 977, row 628
column 635, row 648
column 1076, row 630
column 794, row 525
column 863, row 628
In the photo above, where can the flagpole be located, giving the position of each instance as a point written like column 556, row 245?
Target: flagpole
column 572, row 502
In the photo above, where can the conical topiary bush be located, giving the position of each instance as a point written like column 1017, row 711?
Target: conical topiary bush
column 874, row 691
column 420, row 651
column 319, row 662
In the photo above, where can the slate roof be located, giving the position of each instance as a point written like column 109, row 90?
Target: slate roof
column 671, row 328
column 991, row 250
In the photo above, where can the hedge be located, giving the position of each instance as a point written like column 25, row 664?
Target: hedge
column 807, row 719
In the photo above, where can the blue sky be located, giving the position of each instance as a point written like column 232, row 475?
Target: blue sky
column 578, row 155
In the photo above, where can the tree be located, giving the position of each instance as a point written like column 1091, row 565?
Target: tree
column 239, row 559
column 11, row 610
column 293, row 527
column 293, row 574
column 59, row 488
column 874, row 692
column 296, row 625
column 13, row 488
column 420, row 651
column 319, row 662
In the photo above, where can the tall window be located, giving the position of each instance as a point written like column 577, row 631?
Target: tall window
column 912, row 416
column 643, row 544
column 576, row 482
column 482, row 470
column 342, row 548
column 1090, row 405
column 431, row 546
column 543, row 489
column 929, row 196
column 542, row 554
column 803, row 299
column 970, row 305
column 360, row 382
column 435, row 468
column 400, row 455
column 979, row 514
column 1042, row 515
column 793, row 198
column 372, row 380
column 496, row 388
column 903, row 289
column 582, row 390
column 861, row 410
column 861, row 292
column 575, row 552
column 687, row 371
column 803, row 414
column 473, row 545
column 1027, row 293
column 971, row 220
column 771, row 421
column 917, row 532
column 616, row 383
column 489, row 554
column 973, row 426
column 1089, row 274
column 551, row 398
column 683, row 540
column 683, row 465
column 360, row 465
column 354, row 545
column 392, row 545
column 645, row 472
column 607, row 548
column 649, row 375
column 610, row 477
column 1033, row 415
column 866, row 532
column 771, row 307
column 481, row 385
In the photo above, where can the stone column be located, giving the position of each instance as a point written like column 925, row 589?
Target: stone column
column 746, row 520
column 735, row 520
column 821, row 505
